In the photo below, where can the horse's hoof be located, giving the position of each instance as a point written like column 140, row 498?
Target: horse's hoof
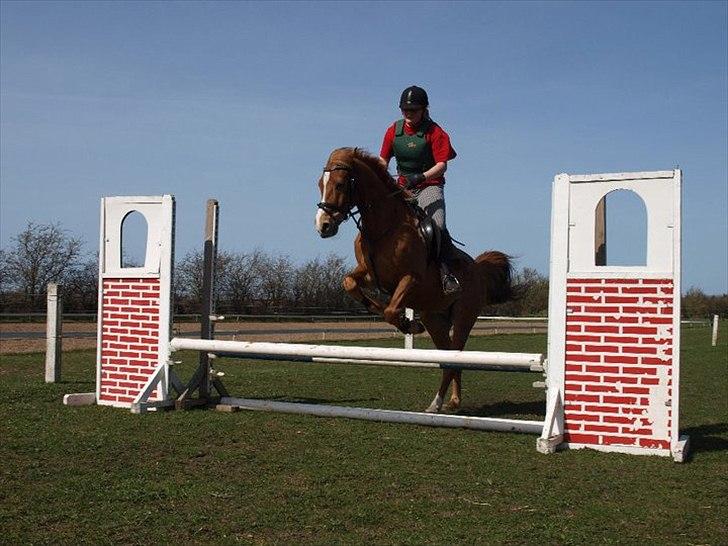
column 452, row 407
column 412, row 326
column 435, row 406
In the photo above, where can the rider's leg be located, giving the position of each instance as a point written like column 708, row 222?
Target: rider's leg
column 432, row 200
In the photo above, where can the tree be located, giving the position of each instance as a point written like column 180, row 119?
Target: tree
column 81, row 287
column 276, row 275
column 531, row 296
column 240, row 280
column 42, row 253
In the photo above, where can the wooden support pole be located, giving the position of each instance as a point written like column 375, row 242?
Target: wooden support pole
column 600, row 233
column 200, row 381
column 54, row 324
column 207, row 330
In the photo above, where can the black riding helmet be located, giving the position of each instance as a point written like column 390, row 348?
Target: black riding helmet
column 413, row 97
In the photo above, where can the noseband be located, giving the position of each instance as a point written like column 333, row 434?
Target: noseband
column 330, row 208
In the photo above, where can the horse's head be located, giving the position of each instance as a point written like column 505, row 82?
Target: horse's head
column 337, row 188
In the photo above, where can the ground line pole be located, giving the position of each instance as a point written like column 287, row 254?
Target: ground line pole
column 54, row 321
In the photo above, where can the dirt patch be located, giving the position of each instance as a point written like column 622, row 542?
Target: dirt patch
column 282, row 332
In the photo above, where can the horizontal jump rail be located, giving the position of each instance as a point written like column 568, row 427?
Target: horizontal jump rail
column 422, row 356
column 388, row 416
column 388, row 363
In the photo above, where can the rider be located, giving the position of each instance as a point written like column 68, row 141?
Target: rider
column 422, row 150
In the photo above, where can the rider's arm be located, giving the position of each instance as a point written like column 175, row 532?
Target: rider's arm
column 386, row 152
column 436, row 171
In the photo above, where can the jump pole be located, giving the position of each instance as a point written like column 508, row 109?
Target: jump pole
column 453, row 358
column 386, row 363
column 388, row 416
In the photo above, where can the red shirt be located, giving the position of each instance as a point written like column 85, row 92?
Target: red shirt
column 438, row 140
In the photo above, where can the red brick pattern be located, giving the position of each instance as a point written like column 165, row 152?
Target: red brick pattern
column 618, row 369
column 129, row 337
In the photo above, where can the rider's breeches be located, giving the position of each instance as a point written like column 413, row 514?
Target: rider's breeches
column 431, row 199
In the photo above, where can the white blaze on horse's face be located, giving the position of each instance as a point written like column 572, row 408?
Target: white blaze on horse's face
column 321, row 216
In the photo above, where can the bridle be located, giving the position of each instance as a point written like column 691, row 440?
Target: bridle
column 345, row 212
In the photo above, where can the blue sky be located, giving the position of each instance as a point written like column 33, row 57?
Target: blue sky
column 244, row 102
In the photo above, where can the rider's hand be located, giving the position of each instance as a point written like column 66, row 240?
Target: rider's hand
column 414, row 179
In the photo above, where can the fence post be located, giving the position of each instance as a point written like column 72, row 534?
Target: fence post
column 715, row 330
column 409, row 339
column 54, row 321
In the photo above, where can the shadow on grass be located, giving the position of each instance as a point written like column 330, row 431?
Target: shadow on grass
column 316, row 401
column 505, row 408
column 705, row 438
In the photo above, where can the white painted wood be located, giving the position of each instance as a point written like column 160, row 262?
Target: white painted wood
column 54, row 337
column 80, row 399
column 609, row 177
column 677, row 445
column 157, row 380
column 388, row 416
column 558, row 268
column 358, row 353
column 116, row 210
column 387, row 363
column 659, row 199
column 409, row 339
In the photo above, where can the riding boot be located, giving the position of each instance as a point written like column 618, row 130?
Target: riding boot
column 450, row 284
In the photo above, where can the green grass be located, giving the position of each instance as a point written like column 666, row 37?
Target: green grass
column 100, row 475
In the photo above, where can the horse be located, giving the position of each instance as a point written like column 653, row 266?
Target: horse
column 392, row 255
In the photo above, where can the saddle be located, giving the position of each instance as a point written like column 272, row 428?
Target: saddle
column 438, row 242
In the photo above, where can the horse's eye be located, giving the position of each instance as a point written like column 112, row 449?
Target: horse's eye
column 339, row 186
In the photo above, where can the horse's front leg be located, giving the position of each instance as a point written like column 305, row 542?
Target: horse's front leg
column 394, row 313
column 353, row 284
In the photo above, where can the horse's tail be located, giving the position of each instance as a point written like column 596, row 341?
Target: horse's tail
column 496, row 270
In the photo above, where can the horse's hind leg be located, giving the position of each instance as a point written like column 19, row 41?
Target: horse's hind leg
column 461, row 332
column 438, row 326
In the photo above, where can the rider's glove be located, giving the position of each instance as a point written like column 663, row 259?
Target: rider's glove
column 414, row 179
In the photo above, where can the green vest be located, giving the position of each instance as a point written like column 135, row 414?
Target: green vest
column 412, row 153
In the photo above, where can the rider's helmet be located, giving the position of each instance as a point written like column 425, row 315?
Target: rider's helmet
column 413, row 97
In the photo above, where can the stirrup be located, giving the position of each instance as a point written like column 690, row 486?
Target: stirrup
column 450, row 285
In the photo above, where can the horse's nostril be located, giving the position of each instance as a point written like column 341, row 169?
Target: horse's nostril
column 325, row 226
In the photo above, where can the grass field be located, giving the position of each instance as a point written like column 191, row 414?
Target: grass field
column 99, row 475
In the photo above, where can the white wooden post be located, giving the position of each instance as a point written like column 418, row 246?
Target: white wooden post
column 409, row 339
column 54, row 320
column 714, row 342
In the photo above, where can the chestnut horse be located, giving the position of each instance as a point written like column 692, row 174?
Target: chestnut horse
column 392, row 255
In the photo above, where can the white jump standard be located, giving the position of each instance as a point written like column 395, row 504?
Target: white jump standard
column 612, row 373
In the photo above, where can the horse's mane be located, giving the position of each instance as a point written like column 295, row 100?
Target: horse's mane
column 374, row 164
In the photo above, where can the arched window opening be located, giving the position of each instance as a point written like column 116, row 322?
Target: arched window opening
column 623, row 222
column 134, row 234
